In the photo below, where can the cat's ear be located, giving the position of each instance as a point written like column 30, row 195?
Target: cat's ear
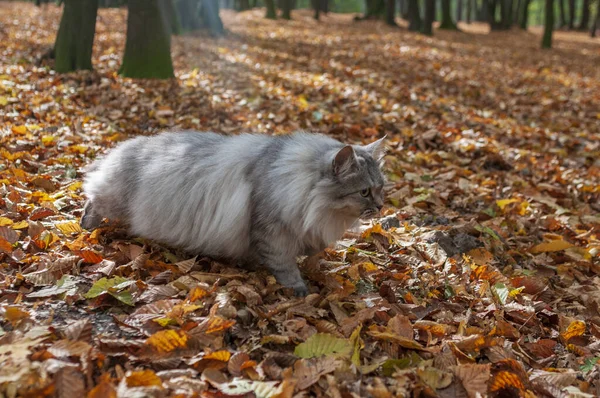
column 343, row 160
column 376, row 149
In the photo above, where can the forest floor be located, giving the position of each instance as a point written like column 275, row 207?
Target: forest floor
column 481, row 278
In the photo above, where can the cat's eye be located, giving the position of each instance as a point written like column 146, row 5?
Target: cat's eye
column 365, row 192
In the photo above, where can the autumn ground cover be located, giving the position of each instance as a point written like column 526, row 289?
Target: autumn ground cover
column 482, row 276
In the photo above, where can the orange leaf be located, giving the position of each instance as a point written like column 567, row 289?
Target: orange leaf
column 103, row 390
column 218, row 355
column 197, row 293
column 143, row 378
column 576, row 328
column 167, row 340
column 218, row 324
column 89, row 256
column 5, row 246
column 552, row 246
column 69, row 228
column 505, row 380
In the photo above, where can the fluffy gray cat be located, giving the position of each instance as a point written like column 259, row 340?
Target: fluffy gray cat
column 253, row 198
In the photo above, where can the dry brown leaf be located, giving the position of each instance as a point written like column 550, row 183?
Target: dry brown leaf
column 69, row 383
column 474, row 378
column 309, row 371
column 68, row 348
column 142, row 378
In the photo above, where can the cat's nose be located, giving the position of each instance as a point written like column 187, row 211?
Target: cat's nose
column 379, row 207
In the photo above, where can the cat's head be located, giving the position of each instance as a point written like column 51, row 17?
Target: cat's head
column 357, row 180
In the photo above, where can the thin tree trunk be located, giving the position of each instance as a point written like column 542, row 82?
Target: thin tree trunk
column 390, row 12
column 548, row 25
column 271, row 11
column 525, row 15
column 414, row 16
column 209, row 13
column 585, row 15
column 75, row 37
column 596, row 23
column 286, row 9
column 459, row 10
column 516, row 12
column 571, row 14
column 447, row 22
column 148, row 46
column 505, row 12
column 469, row 11
column 429, row 17
column 316, row 8
column 561, row 9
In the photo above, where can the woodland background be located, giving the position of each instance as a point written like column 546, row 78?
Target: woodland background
column 481, row 278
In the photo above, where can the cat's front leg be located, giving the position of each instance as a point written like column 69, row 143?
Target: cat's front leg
column 283, row 266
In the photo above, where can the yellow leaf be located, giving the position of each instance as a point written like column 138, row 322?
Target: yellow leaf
column 502, row 203
column 19, row 129
column 48, row 139
column 552, row 246
column 481, row 256
column 576, row 328
column 303, row 102
column 323, row 344
column 218, row 355
column 143, row 378
column 4, row 221
column 69, row 227
column 20, row 225
column 3, row 101
column 167, row 340
column 78, row 148
column 75, row 186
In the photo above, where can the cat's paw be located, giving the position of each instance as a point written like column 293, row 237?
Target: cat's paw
column 300, row 290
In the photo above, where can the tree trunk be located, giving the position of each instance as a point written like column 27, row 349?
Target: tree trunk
column 390, row 12
column 428, row 17
column 571, row 14
column 525, row 15
column 469, row 11
column 585, row 15
column 286, row 9
column 516, row 12
column 316, row 8
column 187, row 12
column 414, row 16
column 211, row 20
column 271, row 11
column 596, row 23
column 548, row 25
column 75, row 37
column 376, row 9
column 561, row 9
column 148, row 46
column 459, row 10
column 447, row 22
column 243, row 5
column 505, row 12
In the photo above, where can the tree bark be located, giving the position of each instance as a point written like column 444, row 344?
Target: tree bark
column 414, row 16
column 271, row 11
column 390, row 12
column 148, row 47
column 548, row 25
column 571, row 14
column 286, row 9
column 525, row 15
column 596, row 23
column 459, row 10
column 375, row 9
column 316, row 8
column 242, row 5
column 469, row 11
column 447, row 22
column 585, row 15
column 209, row 15
column 75, row 37
column 561, row 9
column 428, row 17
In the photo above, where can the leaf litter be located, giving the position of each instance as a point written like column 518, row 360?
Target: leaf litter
column 481, row 277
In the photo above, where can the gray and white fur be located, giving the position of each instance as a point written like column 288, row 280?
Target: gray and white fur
column 252, row 198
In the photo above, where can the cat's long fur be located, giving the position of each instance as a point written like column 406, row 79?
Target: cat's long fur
column 250, row 197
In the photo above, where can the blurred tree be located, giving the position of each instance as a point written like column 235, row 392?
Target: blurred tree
column 286, row 9
column 414, row 16
column 197, row 14
column 319, row 6
column 390, row 12
column 429, row 17
column 447, row 22
column 459, row 10
column 469, row 11
column 242, row 5
column 596, row 21
column 524, row 14
column 374, row 9
column 571, row 24
column 75, row 37
column 584, row 23
column 561, row 11
column 548, row 24
column 504, row 22
column 271, row 10
column 148, row 45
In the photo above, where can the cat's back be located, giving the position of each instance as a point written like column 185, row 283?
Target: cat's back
column 195, row 192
